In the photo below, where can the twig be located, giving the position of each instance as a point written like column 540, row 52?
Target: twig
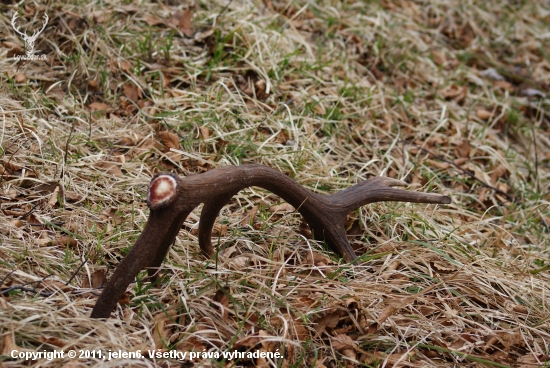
column 65, row 152
column 29, row 212
column 223, row 10
column 535, row 147
column 22, row 288
column 76, row 272
column 5, row 278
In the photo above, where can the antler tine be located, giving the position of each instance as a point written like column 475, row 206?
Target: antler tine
column 15, row 27
column 210, row 212
column 379, row 189
column 24, row 34
column 38, row 31
column 171, row 199
column 46, row 19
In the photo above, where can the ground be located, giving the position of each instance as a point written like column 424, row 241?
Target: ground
column 450, row 97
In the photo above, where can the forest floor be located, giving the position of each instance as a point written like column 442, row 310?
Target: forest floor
column 451, row 97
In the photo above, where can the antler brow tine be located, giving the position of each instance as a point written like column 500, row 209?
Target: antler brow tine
column 171, row 199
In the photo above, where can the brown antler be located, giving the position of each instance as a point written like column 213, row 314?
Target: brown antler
column 171, row 199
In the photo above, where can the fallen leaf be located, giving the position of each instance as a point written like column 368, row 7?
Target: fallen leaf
column 20, row 78
column 125, row 300
column 54, row 89
column 16, row 223
column 99, row 106
column 317, row 259
column 53, row 197
column 205, row 132
column 248, row 342
column 11, row 45
column 531, row 360
column 319, row 109
column 98, row 279
column 498, row 172
column 125, row 66
column 201, row 36
column 161, row 334
column 455, row 93
column 296, row 327
column 64, row 241
column 483, row 114
column 12, row 166
column 54, row 285
column 305, row 230
column 9, row 346
column 439, row 58
column 249, row 216
column 170, row 140
column 343, row 342
column 222, row 298
column 507, row 86
column 52, row 341
column 238, row 263
column 184, row 23
column 282, row 208
column 99, row 16
column 511, row 306
column 330, row 320
column 47, row 188
column 109, row 168
column 73, row 23
column 72, row 197
column 119, row 158
column 346, row 346
column 442, row 267
column 13, row 213
column 390, row 270
column 251, row 321
column 111, row 213
column 152, row 21
column 438, row 164
column 387, row 312
column 126, row 141
column 354, row 229
column 93, row 86
column 131, row 91
column 463, row 150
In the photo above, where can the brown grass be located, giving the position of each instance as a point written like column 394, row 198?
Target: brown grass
column 328, row 92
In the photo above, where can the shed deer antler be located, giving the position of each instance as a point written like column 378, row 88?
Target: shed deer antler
column 29, row 40
column 172, row 198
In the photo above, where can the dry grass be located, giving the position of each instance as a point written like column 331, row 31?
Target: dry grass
column 328, row 92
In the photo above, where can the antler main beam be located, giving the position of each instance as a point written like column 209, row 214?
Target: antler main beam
column 171, row 199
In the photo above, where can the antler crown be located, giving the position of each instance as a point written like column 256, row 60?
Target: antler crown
column 25, row 36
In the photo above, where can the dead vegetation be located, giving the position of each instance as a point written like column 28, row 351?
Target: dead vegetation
column 451, row 97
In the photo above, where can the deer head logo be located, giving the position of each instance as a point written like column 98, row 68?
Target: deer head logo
column 29, row 40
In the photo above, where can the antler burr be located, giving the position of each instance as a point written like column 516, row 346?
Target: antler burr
column 171, row 199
